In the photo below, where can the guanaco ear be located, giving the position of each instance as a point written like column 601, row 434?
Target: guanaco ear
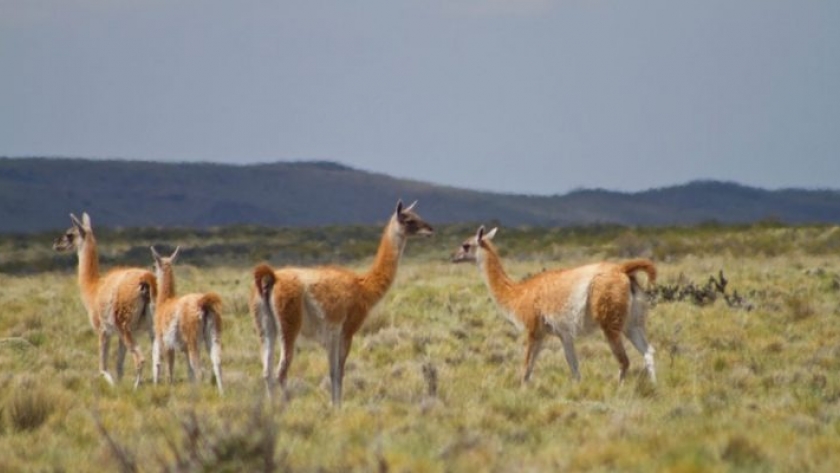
column 489, row 235
column 155, row 254
column 79, row 225
column 479, row 234
column 174, row 254
column 410, row 206
column 86, row 221
column 399, row 206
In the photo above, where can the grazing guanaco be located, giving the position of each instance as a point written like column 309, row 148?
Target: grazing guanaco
column 117, row 303
column 181, row 322
column 567, row 302
column 326, row 303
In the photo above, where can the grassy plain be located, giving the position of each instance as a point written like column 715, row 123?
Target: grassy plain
column 432, row 379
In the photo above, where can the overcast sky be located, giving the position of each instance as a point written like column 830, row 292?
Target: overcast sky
column 526, row 96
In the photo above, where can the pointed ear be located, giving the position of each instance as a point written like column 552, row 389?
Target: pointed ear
column 79, row 225
column 410, row 206
column 155, row 254
column 86, row 221
column 174, row 254
column 491, row 234
column 76, row 221
column 399, row 206
column 479, row 234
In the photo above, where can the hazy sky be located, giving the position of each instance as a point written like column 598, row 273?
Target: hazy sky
column 528, row 96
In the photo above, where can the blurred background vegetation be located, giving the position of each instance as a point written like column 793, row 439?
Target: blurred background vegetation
column 243, row 246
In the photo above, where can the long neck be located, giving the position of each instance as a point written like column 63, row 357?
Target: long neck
column 501, row 286
column 378, row 279
column 166, row 283
column 88, row 268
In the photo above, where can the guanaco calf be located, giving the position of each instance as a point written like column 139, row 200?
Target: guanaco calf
column 567, row 302
column 182, row 322
column 326, row 303
column 118, row 302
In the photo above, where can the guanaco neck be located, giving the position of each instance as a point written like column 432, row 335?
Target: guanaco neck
column 378, row 279
column 501, row 286
column 166, row 283
column 88, row 269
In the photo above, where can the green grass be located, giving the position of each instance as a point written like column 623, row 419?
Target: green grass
column 738, row 390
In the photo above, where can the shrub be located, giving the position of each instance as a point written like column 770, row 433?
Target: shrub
column 247, row 447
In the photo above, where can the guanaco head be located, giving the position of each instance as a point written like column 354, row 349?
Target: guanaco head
column 468, row 251
column 75, row 236
column 410, row 223
column 163, row 262
column 163, row 273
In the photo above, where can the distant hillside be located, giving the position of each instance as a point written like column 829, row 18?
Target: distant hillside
column 38, row 193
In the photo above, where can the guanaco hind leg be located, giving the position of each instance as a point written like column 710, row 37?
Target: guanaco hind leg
column 214, row 349
column 155, row 360
column 104, row 344
column 637, row 337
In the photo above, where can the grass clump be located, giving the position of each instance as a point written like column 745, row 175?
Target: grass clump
column 799, row 307
column 743, row 454
column 248, row 445
column 29, row 408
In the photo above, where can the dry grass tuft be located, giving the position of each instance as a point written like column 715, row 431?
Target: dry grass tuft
column 742, row 453
column 799, row 307
column 30, row 406
column 246, row 446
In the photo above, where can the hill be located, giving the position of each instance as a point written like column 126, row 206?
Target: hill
column 37, row 194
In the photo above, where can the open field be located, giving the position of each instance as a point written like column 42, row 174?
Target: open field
column 432, row 381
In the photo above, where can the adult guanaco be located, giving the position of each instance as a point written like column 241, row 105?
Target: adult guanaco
column 566, row 302
column 328, row 304
column 118, row 302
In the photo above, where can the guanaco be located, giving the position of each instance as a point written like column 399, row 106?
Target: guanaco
column 117, row 303
column 328, row 304
column 566, row 302
column 181, row 322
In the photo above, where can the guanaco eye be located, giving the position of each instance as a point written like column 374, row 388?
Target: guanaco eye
column 466, row 246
